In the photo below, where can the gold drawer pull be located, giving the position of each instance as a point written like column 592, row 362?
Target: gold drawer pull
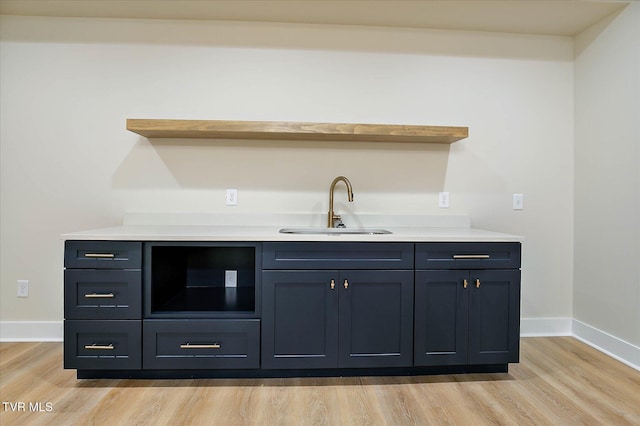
column 346, row 284
column 108, row 347
column 100, row 296
column 333, row 284
column 478, row 283
column 100, row 255
column 471, row 256
column 190, row 346
column 465, row 283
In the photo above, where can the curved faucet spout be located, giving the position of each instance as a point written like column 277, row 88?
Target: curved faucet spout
column 332, row 218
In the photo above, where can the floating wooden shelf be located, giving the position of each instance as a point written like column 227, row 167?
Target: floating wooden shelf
column 274, row 130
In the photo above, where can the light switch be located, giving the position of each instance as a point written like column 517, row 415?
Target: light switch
column 23, row 288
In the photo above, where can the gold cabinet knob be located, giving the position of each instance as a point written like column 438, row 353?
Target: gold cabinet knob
column 465, row 283
column 346, row 284
column 333, row 284
column 477, row 282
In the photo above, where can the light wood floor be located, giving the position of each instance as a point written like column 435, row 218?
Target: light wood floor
column 559, row 381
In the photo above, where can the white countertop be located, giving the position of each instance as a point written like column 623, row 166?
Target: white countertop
column 156, row 227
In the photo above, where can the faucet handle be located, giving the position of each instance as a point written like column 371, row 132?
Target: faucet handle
column 337, row 221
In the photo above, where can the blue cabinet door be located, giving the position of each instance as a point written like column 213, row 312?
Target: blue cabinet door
column 337, row 319
column 494, row 317
column 441, row 317
column 467, row 317
column 376, row 319
column 299, row 319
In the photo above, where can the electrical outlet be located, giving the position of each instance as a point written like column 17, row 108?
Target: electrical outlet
column 231, row 278
column 518, row 201
column 232, row 197
column 443, row 200
column 23, row 288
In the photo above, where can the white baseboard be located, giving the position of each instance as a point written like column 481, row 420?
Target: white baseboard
column 619, row 349
column 540, row 327
column 31, row 331
column 625, row 352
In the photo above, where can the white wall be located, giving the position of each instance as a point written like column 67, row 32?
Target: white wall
column 607, row 177
column 67, row 86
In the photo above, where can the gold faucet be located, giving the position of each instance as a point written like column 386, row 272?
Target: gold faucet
column 332, row 217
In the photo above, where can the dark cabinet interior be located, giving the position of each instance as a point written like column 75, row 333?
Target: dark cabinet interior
column 190, row 278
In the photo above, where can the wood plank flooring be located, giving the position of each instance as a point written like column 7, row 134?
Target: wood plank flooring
column 559, row 381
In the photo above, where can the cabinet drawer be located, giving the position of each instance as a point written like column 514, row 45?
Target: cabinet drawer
column 103, row 345
column 201, row 344
column 337, row 255
column 468, row 255
column 103, row 254
column 102, row 294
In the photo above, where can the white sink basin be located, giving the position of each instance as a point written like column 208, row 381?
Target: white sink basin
column 335, row 231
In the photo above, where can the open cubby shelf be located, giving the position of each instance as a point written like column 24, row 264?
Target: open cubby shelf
column 189, row 279
column 205, row 299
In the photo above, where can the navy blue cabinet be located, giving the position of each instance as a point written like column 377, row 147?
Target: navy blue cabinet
column 337, row 319
column 102, row 345
column 103, row 254
column 201, row 344
column 163, row 309
column 359, row 316
column 102, row 294
column 299, row 319
column 103, row 312
column 441, row 318
column 375, row 315
column 467, row 316
column 494, row 317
